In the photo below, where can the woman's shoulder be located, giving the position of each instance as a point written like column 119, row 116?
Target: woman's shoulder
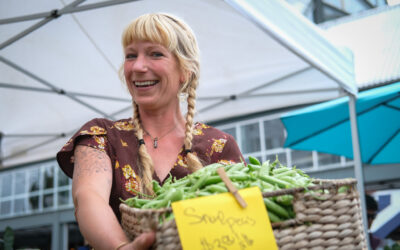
column 214, row 145
column 204, row 130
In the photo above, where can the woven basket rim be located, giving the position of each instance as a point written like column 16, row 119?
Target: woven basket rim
column 319, row 184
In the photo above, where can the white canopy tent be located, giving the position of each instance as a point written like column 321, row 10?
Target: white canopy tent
column 64, row 72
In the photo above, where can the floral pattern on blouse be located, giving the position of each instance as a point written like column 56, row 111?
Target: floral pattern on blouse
column 198, row 129
column 226, row 162
column 101, row 142
column 131, row 183
column 124, row 125
column 94, row 130
column 124, row 144
column 217, row 146
column 181, row 161
column 117, row 139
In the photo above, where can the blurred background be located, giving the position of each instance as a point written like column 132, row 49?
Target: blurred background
column 59, row 63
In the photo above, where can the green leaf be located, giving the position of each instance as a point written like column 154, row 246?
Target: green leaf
column 8, row 239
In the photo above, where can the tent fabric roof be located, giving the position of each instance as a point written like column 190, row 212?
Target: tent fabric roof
column 373, row 37
column 64, row 73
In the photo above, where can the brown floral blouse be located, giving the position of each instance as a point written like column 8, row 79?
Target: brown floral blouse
column 117, row 139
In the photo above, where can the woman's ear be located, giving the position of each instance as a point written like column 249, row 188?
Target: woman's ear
column 183, row 80
column 183, row 77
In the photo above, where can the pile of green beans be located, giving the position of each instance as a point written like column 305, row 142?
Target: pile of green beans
column 206, row 181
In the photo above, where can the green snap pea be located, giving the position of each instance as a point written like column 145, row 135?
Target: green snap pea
column 254, row 160
column 206, row 181
column 275, row 208
column 273, row 181
column 273, row 217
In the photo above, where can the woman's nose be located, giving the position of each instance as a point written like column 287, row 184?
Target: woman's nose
column 140, row 64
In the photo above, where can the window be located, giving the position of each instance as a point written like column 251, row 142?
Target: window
column 250, row 135
column 19, row 183
column 63, row 198
column 19, row 206
column 302, row 159
column 5, row 207
column 48, row 200
column 34, row 189
column 231, row 131
column 274, row 134
column 33, row 203
column 34, row 179
column 327, row 159
column 62, row 179
column 48, row 177
column 6, row 184
column 281, row 157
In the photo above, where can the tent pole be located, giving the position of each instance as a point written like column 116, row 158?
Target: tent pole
column 357, row 164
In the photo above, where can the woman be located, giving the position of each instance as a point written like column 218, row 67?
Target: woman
column 109, row 160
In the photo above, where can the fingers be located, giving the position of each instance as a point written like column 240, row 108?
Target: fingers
column 144, row 241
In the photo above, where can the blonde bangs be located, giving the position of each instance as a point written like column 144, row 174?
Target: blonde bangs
column 150, row 28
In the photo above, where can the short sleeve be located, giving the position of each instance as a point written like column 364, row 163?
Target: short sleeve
column 230, row 152
column 92, row 134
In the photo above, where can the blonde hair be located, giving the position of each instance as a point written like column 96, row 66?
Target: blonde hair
column 179, row 39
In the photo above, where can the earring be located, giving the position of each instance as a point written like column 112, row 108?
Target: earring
column 182, row 97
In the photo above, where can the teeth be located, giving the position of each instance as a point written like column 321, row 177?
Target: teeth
column 146, row 83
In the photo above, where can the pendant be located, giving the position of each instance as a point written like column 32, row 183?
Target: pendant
column 155, row 142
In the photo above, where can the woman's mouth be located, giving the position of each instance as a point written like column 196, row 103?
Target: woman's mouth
column 141, row 84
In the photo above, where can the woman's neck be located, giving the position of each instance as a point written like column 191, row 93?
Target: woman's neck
column 156, row 123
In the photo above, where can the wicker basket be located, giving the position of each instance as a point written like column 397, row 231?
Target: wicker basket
column 324, row 220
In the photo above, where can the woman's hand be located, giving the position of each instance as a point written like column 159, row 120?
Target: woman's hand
column 143, row 242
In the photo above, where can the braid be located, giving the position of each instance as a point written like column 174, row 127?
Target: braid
column 193, row 161
column 144, row 157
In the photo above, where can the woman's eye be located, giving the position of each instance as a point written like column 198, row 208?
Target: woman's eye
column 157, row 54
column 130, row 56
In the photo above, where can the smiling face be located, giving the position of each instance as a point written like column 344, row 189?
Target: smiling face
column 152, row 74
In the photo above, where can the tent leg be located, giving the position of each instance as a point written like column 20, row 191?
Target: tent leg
column 358, row 165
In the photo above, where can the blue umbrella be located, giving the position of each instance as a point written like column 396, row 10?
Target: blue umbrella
column 326, row 128
column 371, row 122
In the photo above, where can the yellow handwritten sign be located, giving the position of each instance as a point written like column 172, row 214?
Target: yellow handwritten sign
column 219, row 222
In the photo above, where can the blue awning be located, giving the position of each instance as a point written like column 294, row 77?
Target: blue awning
column 326, row 127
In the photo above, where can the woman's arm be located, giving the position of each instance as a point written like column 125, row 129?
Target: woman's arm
column 91, row 187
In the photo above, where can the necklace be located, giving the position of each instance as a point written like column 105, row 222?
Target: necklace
column 156, row 139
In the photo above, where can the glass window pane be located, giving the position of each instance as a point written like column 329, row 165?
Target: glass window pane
column 302, row 159
column 5, row 207
column 48, row 200
column 231, row 131
column 250, row 138
column 48, row 177
column 63, row 198
column 34, row 178
column 274, row 134
column 6, row 185
column 34, row 203
column 19, row 206
column 281, row 157
column 19, row 183
column 62, row 179
column 326, row 159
